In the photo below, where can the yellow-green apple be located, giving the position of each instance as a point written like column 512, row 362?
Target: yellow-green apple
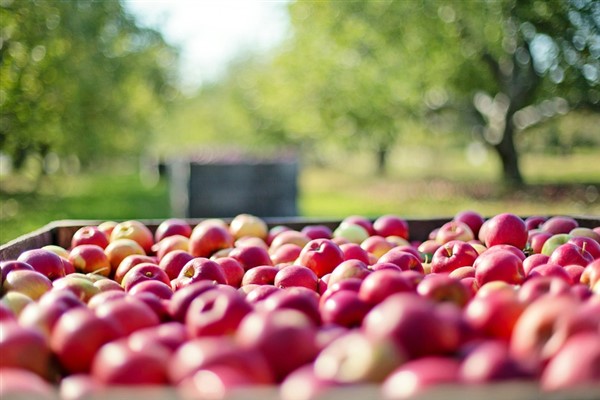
column 117, row 250
column 588, row 244
column 172, row 263
column 216, row 312
column 559, row 224
column 287, row 237
column 170, row 227
column 576, row 365
column 116, row 363
column 295, row 298
column 129, row 313
column 585, row 232
column 418, row 377
column 15, row 302
column 181, row 299
column 490, row 361
column 156, row 287
column 136, row 231
column 248, row 225
column 25, row 348
column 441, row 288
column 232, row 269
column 144, row 272
column 90, row 258
column 537, row 286
column 169, row 244
column 199, row 269
column 10, row 265
column 207, row 239
column 317, row 231
column 357, row 358
column 89, row 235
column 414, row 324
column 363, row 221
column 533, row 261
column 58, row 250
column 345, row 308
column 31, row 283
column 381, row 284
column 251, row 256
column 494, row 314
column 454, row 230
column 376, row 245
column 353, row 233
column 404, row 259
column 452, row 255
column 505, row 228
column 260, row 275
column 77, row 336
column 391, row 225
column 501, row 265
column 285, row 254
column 321, row 255
column 553, row 242
column 568, row 254
column 472, row 218
column 80, row 284
column 44, row 261
column 286, row 338
column 296, row 275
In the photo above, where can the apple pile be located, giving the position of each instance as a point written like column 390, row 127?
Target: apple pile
column 223, row 306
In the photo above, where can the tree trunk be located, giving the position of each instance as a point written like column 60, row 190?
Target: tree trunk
column 511, row 172
column 382, row 155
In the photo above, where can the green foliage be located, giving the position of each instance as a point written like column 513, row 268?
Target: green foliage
column 79, row 77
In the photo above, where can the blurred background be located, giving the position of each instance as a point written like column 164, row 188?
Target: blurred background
column 146, row 109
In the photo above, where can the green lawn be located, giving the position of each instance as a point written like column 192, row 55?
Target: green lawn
column 417, row 185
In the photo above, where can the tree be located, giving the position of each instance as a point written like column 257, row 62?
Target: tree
column 79, row 77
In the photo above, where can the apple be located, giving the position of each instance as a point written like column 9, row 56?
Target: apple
column 251, row 256
column 216, row 312
column 89, row 235
column 491, row 360
column 574, row 272
column 360, row 220
column 285, row 254
column 295, row 298
column 58, row 250
column 25, row 348
column 353, row 251
column 199, row 269
column 507, row 247
column 128, row 313
column 106, row 296
column 384, row 265
column 428, row 248
column 171, row 227
column 533, row 261
column 303, row 383
column 454, row 230
column 119, row 249
column 452, row 255
column 380, row 284
column 576, row 365
column 391, row 225
column 418, row 377
column 321, row 256
column 348, row 269
column 216, row 382
column 569, row 254
column 10, row 265
column 403, row 259
column 170, row 335
column 286, row 338
column 550, row 269
column 15, row 302
column 29, row 282
column 77, row 336
column 591, row 274
column 588, row 244
column 345, row 308
column 18, row 383
column 90, row 258
column 537, row 286
column 257, row 293
column 501, row 265
column 80, row 386
column 156, row 287
column 248, row 225
column 107, row 227
column 247, row 241
column 353, row 233
column 585, row 232
column 207, row 239
column 559, row 224
column 506, row 228
column 352, row 284
column 44, row 261
column 463, row 272
column 144, row 272
column 356, row 358
column 172, row 263
column 414, row 324
column 232, row 269
column 136, row 231
column 274, row 231
column 472, row 218
column 289, row 237
column 554, row 242
column 260, row 275
column 179, row 303
column 442, row 288
column 129, row 262
column 296, row 275
column 81, row 285
column 116, row 363
column 495, row 313
column 534, row 222
column 169, row 244
column 317, row 231
column 376, row 245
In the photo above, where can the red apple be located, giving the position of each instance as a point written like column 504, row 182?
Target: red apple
column 31, row 283
column 377, row 245
column 80, row 284
column 77, row 336
column 285, row 254
column 391, row 225
column 472, row 218
column 534, row 222
column 296, row 275
column 495, row 313
column 173, row 262
column 107, row 227
column 179, row 303
column 574, row 272
column 295, row 298
column 569, row 254
column 274, row 231
column 428, row 248
column 136, row 231
column 232, row 269
column 44, row 261
column 499, row 265
column 452, row 255
column 199, row 269
column 538, row 240
column 80, row 386
column 207, row 239
column 289, row 237
column 258, row 293
column 454, row 230
column 260, row 275
column 533, row 261
column 348, row 269
column 43, row 314
column 321, row 255
column 119, row 249
column 506, row 228
column 248, row 225
column 549, row 269
column 490, row 361
column 10, row 265
column 463, row 272
column 169, row 244
column 591, row 274
column 345, row 308
column 18, row 383
column 537, row 286
column 156, row 287
column 303, row 383
column 89, row 235
column 559, row 224
column 442, row 288
column 23, row 347
column 88, row 258
column 581, row 231
column 588, row 244
column 381, row 284
column 128, row 313
column 251, row 256
column 144, row 272
column 129, row 262
column 170, row 227
column 403, row 259
column 170, row 335
column 317, row 231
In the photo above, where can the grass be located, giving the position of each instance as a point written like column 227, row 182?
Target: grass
column 419, row 184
